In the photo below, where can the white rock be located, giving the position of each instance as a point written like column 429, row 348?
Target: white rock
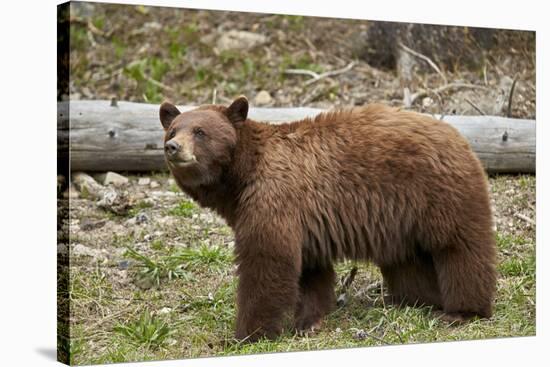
column 262, row 98
column 81, row 250
column 154, row 184
column 87, row 185
column 427, row 102
column 240, row 40
column 115, row 179
column 164, row 310
column 144, row 181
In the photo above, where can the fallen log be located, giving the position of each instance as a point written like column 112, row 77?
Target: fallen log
column 127, row 136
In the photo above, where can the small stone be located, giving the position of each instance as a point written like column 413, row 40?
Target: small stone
column 124, row 264
column 88, row 187
column 262, row 98
column 144, row 181
column 88, row 224
column 164, row 310
column 427, row 102
column 342, row 300
column 154, row 184
column 240, row 40
column 112, row 178
column 338, row 330
column 81, row 250
column 141, row 217
column 131, row 222
column 360, row 334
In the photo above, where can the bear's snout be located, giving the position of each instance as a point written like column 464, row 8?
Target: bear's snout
column 171, row 147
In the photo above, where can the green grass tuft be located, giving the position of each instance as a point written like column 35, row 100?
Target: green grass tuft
column 184, row 209
column 148, row 331
column 165, row 267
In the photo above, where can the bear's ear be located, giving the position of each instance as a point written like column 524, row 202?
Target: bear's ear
column 168, row 112
column 238, row 110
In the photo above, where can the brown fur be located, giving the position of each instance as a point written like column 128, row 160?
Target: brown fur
column 374, row 183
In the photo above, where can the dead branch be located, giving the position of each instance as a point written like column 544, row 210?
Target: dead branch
column 425, row 58
column 474, row 106
column 525, row 218
column 315, row 77
column 423, row 92
column 509, row 111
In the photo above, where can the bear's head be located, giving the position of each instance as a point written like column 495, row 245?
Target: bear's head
column 199, row 143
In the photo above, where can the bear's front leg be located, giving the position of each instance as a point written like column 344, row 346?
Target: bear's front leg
column 269, row 272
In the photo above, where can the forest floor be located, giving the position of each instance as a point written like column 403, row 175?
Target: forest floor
column 157, row 281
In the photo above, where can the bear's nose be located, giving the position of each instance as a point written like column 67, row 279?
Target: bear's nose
column 171, row 147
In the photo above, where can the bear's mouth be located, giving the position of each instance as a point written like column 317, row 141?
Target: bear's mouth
column 181, row 163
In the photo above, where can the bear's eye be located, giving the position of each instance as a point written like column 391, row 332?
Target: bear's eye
column 172, row 134
column 199, row 132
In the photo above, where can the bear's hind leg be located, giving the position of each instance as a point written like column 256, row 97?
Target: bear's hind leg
column 467, row 280
column 413, row 283
column 316, row 297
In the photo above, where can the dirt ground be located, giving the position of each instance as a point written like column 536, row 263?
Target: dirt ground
column 156, row 280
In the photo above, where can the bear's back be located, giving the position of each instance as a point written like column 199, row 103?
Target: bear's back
column 360, row 179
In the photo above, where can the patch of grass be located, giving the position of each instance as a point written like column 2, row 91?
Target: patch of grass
column 145, row 72
column 212, row 257
column 149, row 331
column 154, row 270
column 184, row 209
column 119, row 47
column 139, row 206
column 78, row 37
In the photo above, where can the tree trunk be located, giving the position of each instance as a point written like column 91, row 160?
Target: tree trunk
column 129, row 136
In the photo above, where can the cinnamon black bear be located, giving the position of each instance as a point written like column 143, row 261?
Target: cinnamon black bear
column 397, row 188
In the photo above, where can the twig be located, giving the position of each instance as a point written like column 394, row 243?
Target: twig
column 423, row 93
column 474, row 106
column 315, row 77
column 425, row 58
column 348, row 279
column 158, row 84
column 509, row 111
column 525, row 218
column 214, row 95
column 302, row 72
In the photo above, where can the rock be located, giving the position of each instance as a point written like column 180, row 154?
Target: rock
column 124, row 264
column 88, row 224
column 360, row 334
column 141, row 217
column 154, row 184
column 262, row 98
column 88, row 187
column 427, row 102
column 135, row 197
column 112, row 178
column 81, row 250
column 114, row 202
column 144, row 181
column 71, row 193
column 152, row 26
column 240, row 40
column 342, row 300
column 164, row 311
column 131, row 222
